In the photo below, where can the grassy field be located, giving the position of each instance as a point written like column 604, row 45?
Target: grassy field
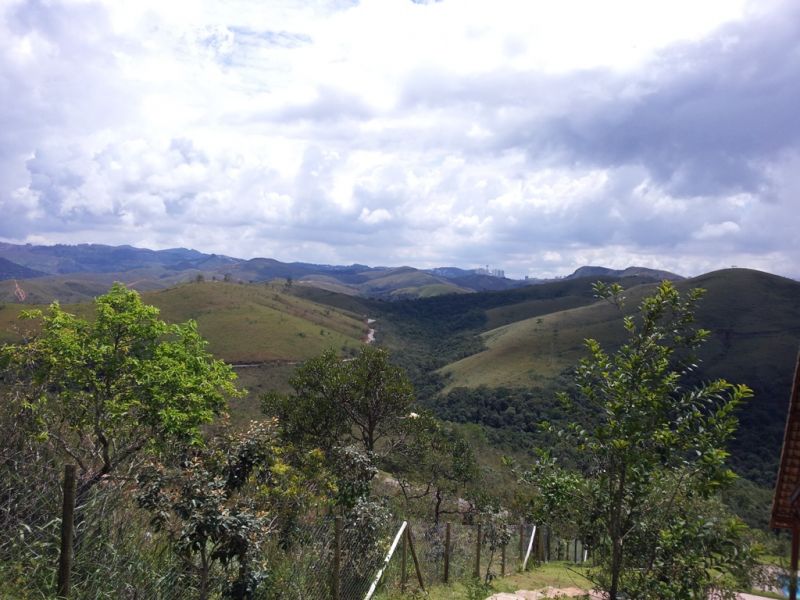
column 259, row 323
column 757, row 313
column 243, row 323
column 523, row 353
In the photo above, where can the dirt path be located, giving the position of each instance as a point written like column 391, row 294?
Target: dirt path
column 548, row 592
column 573, row 592
column 370, row 332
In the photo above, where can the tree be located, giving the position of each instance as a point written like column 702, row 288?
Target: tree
column 103, row 390
column 337, row 402
column 436, row 461
column 654, row 457
column 221, row 504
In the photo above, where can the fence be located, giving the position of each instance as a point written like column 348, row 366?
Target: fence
column 453, row 552
column 113, row 552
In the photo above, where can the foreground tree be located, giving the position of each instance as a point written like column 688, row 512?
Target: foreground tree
column 101, row 391
column 336, row 402
column 220, row 505
column 435, row 463
column 654, row 458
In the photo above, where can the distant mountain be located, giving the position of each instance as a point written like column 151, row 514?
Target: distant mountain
column 77, row 272
column 64, row 259
column 655, row 274
column 11, row 270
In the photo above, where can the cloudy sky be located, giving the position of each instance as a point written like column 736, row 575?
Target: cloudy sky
column 531, row 136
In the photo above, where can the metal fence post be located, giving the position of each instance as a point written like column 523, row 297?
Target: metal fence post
column 478, row 553
column 403, row 553
column 414, row 557
column 447, row 552
column 336, row 581
column 67, row 532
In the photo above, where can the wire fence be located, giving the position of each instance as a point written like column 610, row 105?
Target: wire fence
column 118, row 555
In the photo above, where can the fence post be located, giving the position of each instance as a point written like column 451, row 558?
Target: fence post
column 530, row 546
column 521, row 541
column 575, row 551
column 336, row 583
column 403, row 563
column 503, row 560
column 414, row 557
column 478, row 553
column 540, row 545
column 547, row 545
column 400, row 533
column 67, row 523
column 447, row 552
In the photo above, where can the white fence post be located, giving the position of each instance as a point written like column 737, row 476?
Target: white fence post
column 386, row 560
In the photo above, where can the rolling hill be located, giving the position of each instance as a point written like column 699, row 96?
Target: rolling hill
column 11, row 270
column 754, row 318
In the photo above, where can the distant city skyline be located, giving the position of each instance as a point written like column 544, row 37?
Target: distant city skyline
column 535, row 137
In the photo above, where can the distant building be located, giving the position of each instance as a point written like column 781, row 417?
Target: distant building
column 489, row 272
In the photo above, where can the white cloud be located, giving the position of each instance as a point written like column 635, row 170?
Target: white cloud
column 716, row 230
column 534, row 136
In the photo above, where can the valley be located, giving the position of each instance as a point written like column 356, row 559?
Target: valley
column 494, row 358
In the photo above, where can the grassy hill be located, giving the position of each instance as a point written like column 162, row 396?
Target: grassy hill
column 263, row 329
column 258, row 323
column 11, row 270
column 754, row 318
column 525, row 338
column 243, row 323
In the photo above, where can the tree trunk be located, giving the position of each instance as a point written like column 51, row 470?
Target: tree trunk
column 203, row 595
column 616, row 568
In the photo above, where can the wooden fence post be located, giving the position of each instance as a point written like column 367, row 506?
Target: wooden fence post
column 67, row 523
column 521, row 541
column 447, row 552
column 575, row 551
column 478, row 553
column 336, row 581
column 503, row 560
column 547, row 545
column 540, row 545
column 414, row 557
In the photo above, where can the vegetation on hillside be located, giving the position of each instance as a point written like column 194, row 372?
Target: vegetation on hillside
column 645, row 499
column 225, row 511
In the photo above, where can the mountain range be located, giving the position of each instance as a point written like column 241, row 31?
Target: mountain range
column 76, row 272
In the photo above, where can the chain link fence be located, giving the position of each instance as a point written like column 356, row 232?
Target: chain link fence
column 117, row 555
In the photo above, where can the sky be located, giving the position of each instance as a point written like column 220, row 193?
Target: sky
column 529, row 136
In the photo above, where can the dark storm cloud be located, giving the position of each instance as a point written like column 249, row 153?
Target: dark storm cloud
column 703, row 118
column 710, row 115
column 716, row 112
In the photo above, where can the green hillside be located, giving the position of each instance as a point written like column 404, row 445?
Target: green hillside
column 258, row 323
column 527, row 351
column 243, row 323
column 754, row 318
